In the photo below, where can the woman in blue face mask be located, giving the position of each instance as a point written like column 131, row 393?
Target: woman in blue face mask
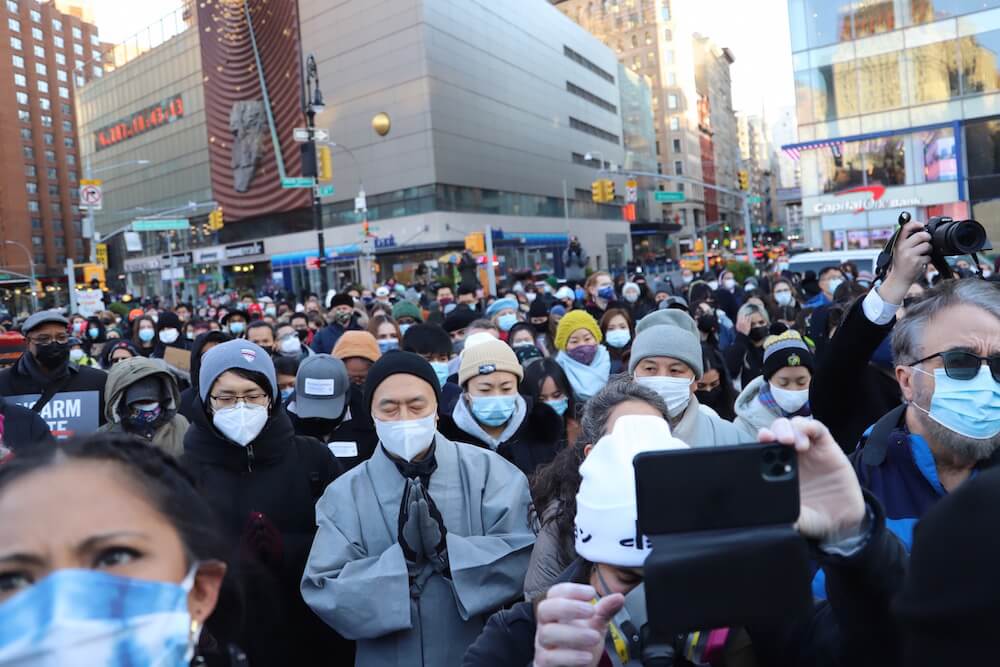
column 545, row 382
column 618, row 331
column 601, row 295
column 491, row 413
column 144, row 335
column 120, row 556
column 386, row 332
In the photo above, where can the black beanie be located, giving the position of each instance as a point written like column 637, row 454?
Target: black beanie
column 538, row 308
column 460, row 318
column 786, row 349
column 342, row 299
column 395, row 362
column 167, row 320
column 427, row 339
column 950, row 605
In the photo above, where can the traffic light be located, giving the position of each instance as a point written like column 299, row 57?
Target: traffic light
column 744, row 179
column 608, row 190
column 365, row 230
column 325, row 163
column 215, row 220
column 597, row 191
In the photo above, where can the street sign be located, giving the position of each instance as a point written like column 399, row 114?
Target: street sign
column 301, row 134
column 101, row 252
column 662, row 196
column 297, row 182
column 324, row 190
column 133, row 242
column 91, row 197
column 631, row 191
column 159, row 225
column 755, row 199
column 91, row 181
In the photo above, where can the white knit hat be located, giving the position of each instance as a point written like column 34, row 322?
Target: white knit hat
column 606, row 507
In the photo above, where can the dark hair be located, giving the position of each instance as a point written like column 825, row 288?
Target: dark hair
column 197, row 348
column 827, row 269
column 301, row 315
column 535, row 375
column 466, row 289
column 427, row 339
column 112, row 346
column 712, row 359
column 286, row 365
column 260, row 324
column 610, row 314
column 257, row 378
column 135, row 329
column 521, row 326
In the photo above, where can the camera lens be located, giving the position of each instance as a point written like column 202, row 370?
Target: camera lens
column 959, row 237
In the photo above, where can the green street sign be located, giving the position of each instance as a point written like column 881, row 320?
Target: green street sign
column 324, row 190
column 297, row 182
column 755, row 199
column 662, row 196
column 158, row 225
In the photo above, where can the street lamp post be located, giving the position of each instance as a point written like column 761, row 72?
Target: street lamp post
column 312, row 103
column 89, row 173
column 31, row 267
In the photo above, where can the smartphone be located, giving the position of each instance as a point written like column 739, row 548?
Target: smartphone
column 716, row 488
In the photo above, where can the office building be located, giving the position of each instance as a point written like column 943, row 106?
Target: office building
column 897, row 106
column 450, row 115
column 46, row 54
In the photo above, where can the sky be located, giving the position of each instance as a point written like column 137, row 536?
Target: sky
column 117, row 20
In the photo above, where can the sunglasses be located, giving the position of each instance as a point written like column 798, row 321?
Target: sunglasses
column 960, row 365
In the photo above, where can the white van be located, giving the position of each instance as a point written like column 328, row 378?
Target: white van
column 815, row 261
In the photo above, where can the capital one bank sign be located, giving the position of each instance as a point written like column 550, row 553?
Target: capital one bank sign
column 874, row 199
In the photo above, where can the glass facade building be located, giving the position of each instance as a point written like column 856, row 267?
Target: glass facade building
column 897, row 104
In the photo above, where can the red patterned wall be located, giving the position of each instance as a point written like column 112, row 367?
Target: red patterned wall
column 230, row 76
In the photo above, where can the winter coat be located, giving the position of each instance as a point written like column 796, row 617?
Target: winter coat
column 265, row 494
column 854, row 629
column 751, row 414
column 575, row 261
column 25, row 378
column 552, row 554
column 354, row 440
column 169, row 436
column 847, row 393
column 326, row 338
column 744, row 360
column 23, row 430
column 534, row 443
column 702, row 427
column 357, row 578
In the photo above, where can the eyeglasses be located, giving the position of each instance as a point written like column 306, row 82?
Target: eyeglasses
column 961, row 365
column 230, row 400
column 45, row 339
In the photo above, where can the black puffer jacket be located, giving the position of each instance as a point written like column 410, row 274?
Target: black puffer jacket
column 188, row 395
column 265, row 495
column 533, row 444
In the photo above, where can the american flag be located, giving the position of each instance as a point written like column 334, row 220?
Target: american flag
column 794, row 150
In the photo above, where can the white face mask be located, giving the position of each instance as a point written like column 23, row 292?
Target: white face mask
column 76, row 354
column 289, row 346
column 833, row 284
column 791, row 401
column 675, row 392
column 408, row 438
column 783, row 298
column 714, row 284
column 241, row 423
column 729, row 284
column 168, row 336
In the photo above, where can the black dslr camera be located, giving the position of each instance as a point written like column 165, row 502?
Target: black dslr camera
column 948, row 238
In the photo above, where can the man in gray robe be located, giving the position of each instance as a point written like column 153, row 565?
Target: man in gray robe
column 417, row 546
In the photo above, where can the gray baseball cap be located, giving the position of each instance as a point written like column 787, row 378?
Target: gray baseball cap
column 44, row 317
column 321, row 387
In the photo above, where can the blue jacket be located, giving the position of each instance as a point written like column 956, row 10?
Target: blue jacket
column 327, row 337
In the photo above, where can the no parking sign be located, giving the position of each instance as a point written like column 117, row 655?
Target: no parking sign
column 91, row 194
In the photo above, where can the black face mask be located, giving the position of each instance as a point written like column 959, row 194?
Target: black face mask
column 302, row 334
column 710, row 397
column 542, row 328
column 318, row 427
column 52, row 355
column 708, row 323
column 758, row 334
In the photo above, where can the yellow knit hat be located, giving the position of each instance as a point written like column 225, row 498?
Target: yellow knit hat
column 575, row 320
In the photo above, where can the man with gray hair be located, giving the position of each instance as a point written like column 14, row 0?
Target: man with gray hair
column 947, row 364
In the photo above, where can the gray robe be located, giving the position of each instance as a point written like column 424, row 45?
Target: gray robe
column 356, row 578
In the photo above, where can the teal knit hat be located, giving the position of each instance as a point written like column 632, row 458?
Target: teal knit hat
column 407, row 309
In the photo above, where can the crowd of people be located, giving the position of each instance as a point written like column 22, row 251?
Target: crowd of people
column 397, row 476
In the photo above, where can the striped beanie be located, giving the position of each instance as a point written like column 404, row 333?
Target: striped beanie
column 787, row 349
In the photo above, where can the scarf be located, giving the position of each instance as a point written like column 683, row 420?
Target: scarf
column 467, row 422
column 767, row 400
column 421, row 470
column 586, row 380
column 27, row 365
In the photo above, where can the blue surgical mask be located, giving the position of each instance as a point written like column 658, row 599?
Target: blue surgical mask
column 93, row 332
column 493, row 410
column 403, row 328
column 607, row 293
column 287, row 394
column 386, row 344
column 966, row 407
column 560, row 405
column 146, row 335
column 441, row 370
column 579, row 293
column 505, row 322
column 88, row 617
column 618, row 338
column 236, row 328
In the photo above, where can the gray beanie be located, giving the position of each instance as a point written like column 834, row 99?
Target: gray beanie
column 665, row 340
column 235, row 354
column 671, row 317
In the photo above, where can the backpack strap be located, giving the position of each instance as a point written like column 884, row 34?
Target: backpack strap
column 50, row 391
column 874, row 447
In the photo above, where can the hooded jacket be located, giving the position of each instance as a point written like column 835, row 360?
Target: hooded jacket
column 751, row 414
column 169, row 436
column 265, row 494
column 532, row 444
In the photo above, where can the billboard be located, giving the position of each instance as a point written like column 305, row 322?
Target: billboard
column 244, row 161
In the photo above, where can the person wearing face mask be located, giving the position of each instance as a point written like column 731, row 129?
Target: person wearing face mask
column 289, row 343
column 142, row 400
column 285, row 369
column 492, row 414
column 386, row 331
column 538, row 318
column 342, row 318
column 44, row 374
column 830, row 278
column 667, row 358
column 406, row 314
column 545, row 382
column 585, row 361
column 168, row 334
column 745, row 357
column 95, row 337
column 358, row 350
column 418, row 544
column 617, row 330
column 235, row 323
column 504, row 314
column 78, row 355
column 201, row 345
column 728, row 294
column 320, row 404
column 600, row 294
column 636, row 301
column 144, row 335
column 715, row 388
column 263, row 480
column 782, row 390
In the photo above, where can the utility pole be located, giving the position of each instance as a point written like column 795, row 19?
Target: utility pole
column 491, row 276
column 312, row 104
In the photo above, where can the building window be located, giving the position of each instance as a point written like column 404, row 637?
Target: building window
column 24, row 115
column 61, row 75
column 22, row 98
column 46, row 120
column 593, row 131
column 69, row 142
column 31, row 187
column 677, row 145
column 94, row 40
column 60, row 58
column 649, row 38
column 36, row 223
column 77, row 33
column 667, row 35
column 48, row 138
column 651, row 59
column 44, row 103
column 58, row 240
column 33, row 206
column 67, row 126
column 56, row 208
column 635, row 41
column 14, row 25
column 590, row 97
column 36, row 16
column 580, row 60
column 675, row 123
column 668, row 56
column 20, row 80
column 64, row 92
column 39, row 51
column 57, row 25
column 671, row 79
column 29, row 153
column 671, row 101
column 59, row 42
column 71, row 160
column 52, row 173
column 54, row 189
column 41, row 69
column 18, row 61
column 98, row 73
column 36, row 240
column 37, row 34
column 43, row 86
column 26, row 133
column 66, row 109
column 678, row 168
column 78, row 49
column 12, row 6
column 71, row 176
column 50, row 156
column 15, row 43
column 79, row 64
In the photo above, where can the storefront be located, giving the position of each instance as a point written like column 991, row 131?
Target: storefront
column 245, row 267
